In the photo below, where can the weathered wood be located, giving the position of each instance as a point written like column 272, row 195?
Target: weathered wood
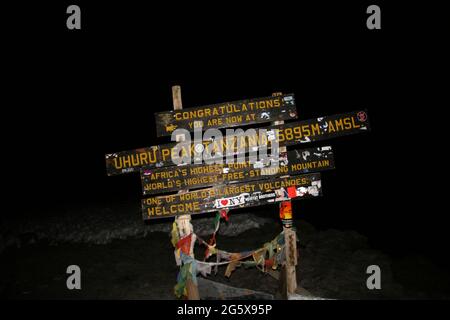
column 294, row 162
column 183, row 222
column 289, row 273
column 288, row 134
column 239, row 195
column 227, row 114
column 291, row 259
column 282, row 285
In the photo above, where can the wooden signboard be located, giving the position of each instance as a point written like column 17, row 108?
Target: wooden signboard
column 231, row 196
column 294, row 162
column 323, row 128
column 227, row 114
column 288, row 134
column 203, row 186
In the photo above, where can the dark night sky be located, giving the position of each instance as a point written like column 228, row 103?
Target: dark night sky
column 75, row 96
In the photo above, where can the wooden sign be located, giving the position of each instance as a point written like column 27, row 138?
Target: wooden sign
column 287, row 134
column 240, row 195
column 228, row 114
column 323, row 128
column 294, row 162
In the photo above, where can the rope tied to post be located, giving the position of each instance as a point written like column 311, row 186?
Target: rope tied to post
column 268, row 257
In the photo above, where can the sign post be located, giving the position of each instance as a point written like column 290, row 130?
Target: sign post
column 289, row 276
column 200, row 182
column 185, row 228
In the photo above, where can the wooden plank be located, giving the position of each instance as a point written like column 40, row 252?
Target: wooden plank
column 294, row 162
column 298, row 132
column 323, row 128
column 240, row 195
column 227, row 114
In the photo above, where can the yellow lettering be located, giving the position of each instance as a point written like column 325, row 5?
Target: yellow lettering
column 354, row 124
column 339, row 124
column 127, row 162
column 347, row 123
column 165, row 153
column 120, row 165
column 277, row 102
column 143, row 158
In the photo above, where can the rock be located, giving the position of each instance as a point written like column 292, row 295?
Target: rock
column 333, row 265
column 212, row 290
column 305, row 232
column 103, row 225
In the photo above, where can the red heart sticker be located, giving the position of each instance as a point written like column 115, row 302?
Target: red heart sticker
column 224, row 202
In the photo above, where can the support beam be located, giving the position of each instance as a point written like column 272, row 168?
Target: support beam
column 184, row 222
column 288, row 276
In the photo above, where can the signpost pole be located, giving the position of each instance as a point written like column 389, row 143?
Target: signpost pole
column 289, row 276
column 184, row 222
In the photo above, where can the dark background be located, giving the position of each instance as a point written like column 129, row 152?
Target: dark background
column 69, row 97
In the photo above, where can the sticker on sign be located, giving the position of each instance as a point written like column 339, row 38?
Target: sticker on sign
column 248, row 194
column 298, row 132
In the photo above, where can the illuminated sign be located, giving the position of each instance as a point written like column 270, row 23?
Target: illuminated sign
column 231, row 196
column 287, row 134
column 169, row 179
column 228, row 114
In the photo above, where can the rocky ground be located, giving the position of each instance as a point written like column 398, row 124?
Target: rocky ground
column 123, row 258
